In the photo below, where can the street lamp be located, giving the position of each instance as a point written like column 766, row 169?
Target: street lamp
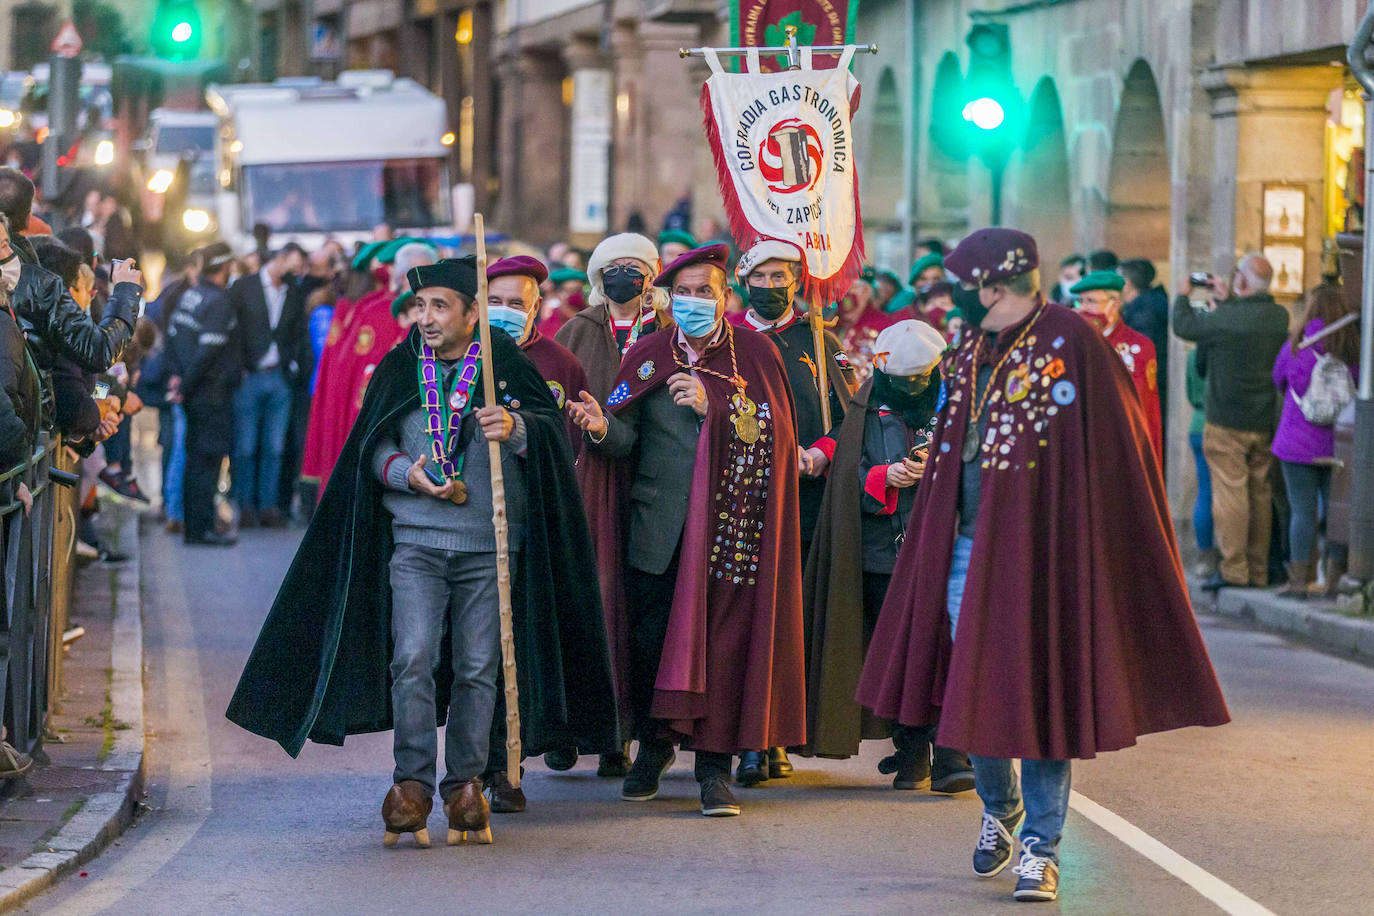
column 985, row 113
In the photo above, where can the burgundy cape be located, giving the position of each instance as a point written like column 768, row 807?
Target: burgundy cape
column 1075, row 633
column 732, row 675
column 561, row 372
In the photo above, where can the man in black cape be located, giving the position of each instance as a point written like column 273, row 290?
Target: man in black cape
column 338, row 653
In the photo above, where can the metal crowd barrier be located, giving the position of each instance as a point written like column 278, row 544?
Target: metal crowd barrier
column 38, row 554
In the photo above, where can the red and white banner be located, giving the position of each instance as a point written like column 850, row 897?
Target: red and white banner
column 784, row 153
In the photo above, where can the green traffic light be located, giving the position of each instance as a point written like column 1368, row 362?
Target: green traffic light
column 182, row 32
column 984, row 113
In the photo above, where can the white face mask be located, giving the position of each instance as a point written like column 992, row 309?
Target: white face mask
column 9, row 272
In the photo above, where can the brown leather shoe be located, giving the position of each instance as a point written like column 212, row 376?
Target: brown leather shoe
column 468, row 814
column 505, row 798
column 272, row 518
column 406, row 810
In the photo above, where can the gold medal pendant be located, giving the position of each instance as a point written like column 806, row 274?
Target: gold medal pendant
column 459, row 494
column 746, row 423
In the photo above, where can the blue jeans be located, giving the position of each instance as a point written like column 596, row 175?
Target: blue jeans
column 1202, row 506
column 262, row 411
column 176, row 466
column 1309, row 495
column 1044, row 784
column 434, row 591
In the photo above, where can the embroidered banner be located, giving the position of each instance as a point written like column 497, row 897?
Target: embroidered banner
column 784, row 154
column 760, row 23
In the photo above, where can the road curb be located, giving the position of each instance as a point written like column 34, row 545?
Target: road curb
column 104, row 815
column 1348, row 637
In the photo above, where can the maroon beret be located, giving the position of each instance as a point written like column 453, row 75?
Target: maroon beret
column 994, row 254
column 521, row 265
column 717, row 255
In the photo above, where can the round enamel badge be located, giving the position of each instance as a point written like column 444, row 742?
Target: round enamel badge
column 646, row 370
column 1063, row 393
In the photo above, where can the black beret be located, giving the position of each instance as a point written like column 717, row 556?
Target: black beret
column 457, row 274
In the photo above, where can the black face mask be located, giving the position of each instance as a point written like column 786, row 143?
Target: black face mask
column 769, row 302
column 622, row 284
column 913, row 396
column 970, row 305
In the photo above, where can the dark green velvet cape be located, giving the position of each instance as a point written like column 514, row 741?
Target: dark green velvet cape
column 320, row 668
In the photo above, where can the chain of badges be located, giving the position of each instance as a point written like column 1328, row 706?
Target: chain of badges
column 1020, row 408
column 741, row 503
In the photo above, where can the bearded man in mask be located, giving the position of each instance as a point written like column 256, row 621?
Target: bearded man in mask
column 875, row 457
column 692, row 500
column 1016, row 619
column 772, row 273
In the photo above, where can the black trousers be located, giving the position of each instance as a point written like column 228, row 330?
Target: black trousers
column 650, row 600
column 209, row 432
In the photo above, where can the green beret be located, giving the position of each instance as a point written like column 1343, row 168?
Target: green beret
column 1099, row 279
column 676, row 235
column 401, row 303
column 567, row 275
column 929, row 260
column 904, row 298
column 387, row 253
column 890, row 277
column 365, row 255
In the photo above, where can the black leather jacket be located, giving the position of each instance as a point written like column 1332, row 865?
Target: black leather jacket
column 19, row 394
column 55, row 324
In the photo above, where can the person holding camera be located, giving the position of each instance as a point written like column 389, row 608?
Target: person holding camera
column 1238, row 335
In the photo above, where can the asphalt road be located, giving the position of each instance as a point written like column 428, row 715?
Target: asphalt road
column 1267, row 812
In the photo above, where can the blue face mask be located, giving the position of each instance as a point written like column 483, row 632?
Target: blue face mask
column 510, row 320
column 695, row 316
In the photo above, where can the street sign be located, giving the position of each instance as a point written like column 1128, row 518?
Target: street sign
column 68, row 41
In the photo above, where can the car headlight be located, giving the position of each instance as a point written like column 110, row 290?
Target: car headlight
column 160, row 182
column 8, row 118
column 104, row 152
column 195, row 220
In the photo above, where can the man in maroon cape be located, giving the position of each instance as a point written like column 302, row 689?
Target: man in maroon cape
column 1038, row 608
column 369, row 334
column 513, row 305
column 692, row 496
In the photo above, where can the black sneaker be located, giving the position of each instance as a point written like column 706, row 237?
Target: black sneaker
column 1039, row 879
column 565, row 758
column 912, row 770
column 716, row 798
column 642, row 782
column 995, row 842
column 951, row 772
column 752, row 769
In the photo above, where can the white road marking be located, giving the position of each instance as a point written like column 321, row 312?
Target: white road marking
column 1204, row 882
column 188, row 770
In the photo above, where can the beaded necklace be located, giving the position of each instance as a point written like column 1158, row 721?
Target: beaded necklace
column 445, row 414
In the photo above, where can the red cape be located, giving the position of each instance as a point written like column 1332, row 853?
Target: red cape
column 732, row 671
column 1075, row 634
column 561, row 371
column 367, row 333
column 1138, row 354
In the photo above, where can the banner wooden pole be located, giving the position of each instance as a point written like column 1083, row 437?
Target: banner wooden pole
column 822, row 359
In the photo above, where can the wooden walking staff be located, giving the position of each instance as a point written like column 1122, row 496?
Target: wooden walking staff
column 498, row 519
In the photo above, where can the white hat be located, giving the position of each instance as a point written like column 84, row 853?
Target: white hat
column 766, row 250
column 908, row 347
column 623, row 245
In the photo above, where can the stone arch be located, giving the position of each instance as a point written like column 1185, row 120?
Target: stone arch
column 1139, row 185
column 1041, row 200
column 882, row 180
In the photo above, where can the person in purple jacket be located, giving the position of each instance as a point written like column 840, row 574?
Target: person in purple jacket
column 1305, row 449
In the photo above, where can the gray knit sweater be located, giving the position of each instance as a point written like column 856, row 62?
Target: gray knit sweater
column 430, row 522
